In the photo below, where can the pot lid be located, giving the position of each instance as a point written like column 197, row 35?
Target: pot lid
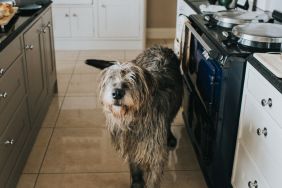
column 259, row 32
column 236, row 17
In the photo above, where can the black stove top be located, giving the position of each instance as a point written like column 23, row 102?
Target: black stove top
column 226, row 44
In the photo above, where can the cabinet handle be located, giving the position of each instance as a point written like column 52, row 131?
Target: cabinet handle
column 253, row 184
column 26, row 47
column 31, row 47
column 10, row 142
column 103, row 6
column 67, row 15
column 2, row 71
column 49, row 25
column 74, row 15
column 265, row 102
column 260, row 132
column 4, row 95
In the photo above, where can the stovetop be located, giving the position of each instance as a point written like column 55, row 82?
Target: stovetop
column 214, row 34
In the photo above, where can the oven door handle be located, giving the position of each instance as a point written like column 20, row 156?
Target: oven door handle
column 213, row 54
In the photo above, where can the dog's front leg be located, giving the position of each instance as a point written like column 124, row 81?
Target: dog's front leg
column 136, row 176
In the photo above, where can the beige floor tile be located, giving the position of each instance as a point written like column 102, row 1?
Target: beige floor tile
column 27, row 181
column 48, row 125
column 63, row 83
column 36, row 156
column 150, row 43
column 183, row 156
column 183, row 179
column 96, row 180
column 169, row 43
column 79, row 103
column 62, row 55
column 81, row 119
column 65, row 68
column 82, row 68
column 53, row 111
column 115, row 55
column 83, row 85
column 76, row 150
column 178, row 120
column 132, row 54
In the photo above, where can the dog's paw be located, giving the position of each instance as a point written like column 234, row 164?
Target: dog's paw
column 171, row 142
column 137, row 184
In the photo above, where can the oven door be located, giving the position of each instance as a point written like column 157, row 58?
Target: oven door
column 202, row 76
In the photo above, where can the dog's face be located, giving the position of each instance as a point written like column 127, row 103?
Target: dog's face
column 123, row 88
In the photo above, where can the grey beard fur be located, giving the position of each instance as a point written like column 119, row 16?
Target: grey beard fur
column 140, row 135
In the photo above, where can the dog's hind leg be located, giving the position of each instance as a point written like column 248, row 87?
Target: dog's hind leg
column 171, row 140
column 136, row 176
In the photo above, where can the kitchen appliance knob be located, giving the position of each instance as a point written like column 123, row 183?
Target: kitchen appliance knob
column 2, row 71
column 207, row 18
column 253, row 184
column 4, row 95
column 10, row 142
column 263, row 102
column 225, row 34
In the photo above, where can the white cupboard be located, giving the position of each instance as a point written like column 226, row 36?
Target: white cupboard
column 257, row 161
column 99, row 24
column 119, row 18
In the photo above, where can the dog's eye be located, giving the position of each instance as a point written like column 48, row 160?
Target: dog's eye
column 124, row 86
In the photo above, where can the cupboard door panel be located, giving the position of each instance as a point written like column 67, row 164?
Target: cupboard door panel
column 81, row 22
column 119, row 18
column 62, row 22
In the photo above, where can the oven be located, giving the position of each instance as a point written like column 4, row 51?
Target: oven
column 212, row 97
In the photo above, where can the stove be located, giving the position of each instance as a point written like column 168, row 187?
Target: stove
column 213, row 65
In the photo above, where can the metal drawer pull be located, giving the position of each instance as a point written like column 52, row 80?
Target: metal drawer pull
column 260, row 132
column 10, row 142
column 31, row 47
column 253, row 184
column 74, row 15
column 66, row 15
column 2, row 72
column 4, row 95
column 49, row 25
column 265, row 102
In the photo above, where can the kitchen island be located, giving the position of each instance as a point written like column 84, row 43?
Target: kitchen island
column 27, row 84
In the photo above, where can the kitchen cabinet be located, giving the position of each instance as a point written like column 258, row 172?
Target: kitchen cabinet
column 37, row 84
column 258, row 152
column 73, row 22
column 119, row 18
column 49, row 51
column 99, row 24
column 27, row 83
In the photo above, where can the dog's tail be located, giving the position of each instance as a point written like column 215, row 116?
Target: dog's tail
column 100, row 64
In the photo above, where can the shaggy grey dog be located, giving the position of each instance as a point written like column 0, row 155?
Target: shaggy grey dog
column 140, row 100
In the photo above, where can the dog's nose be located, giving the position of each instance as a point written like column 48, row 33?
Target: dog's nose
column 118, row 94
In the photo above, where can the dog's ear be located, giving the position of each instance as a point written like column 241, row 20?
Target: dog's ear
column 100, row 64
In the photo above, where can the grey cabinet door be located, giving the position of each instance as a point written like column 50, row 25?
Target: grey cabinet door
column 49, row 51
column 37, row 87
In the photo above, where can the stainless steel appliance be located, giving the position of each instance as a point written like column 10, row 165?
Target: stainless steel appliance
column 213, row 71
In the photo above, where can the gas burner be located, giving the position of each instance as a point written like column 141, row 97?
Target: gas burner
column 266, row 36
column 228, row 19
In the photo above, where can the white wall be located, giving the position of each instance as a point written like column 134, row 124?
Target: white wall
column 270, row 5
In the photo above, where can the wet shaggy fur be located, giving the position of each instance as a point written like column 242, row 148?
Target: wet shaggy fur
column 139, row 120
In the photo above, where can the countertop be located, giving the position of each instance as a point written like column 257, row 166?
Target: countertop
column 275, row 81
column 17, row 25
column 195, row 4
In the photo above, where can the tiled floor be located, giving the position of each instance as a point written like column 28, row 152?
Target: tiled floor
column 73, row 148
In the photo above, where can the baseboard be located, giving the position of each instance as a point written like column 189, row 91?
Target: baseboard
column 160, row 33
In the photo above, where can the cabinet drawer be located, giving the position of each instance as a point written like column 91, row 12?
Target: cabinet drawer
column 9, row 54
column 12, row 141
column 262, row 138
column 12, row 88
column 246, row 172
column 261, row 89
